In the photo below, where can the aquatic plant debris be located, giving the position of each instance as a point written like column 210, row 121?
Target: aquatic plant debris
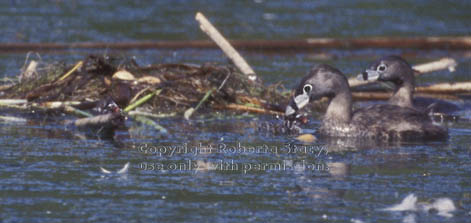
column 180, row 86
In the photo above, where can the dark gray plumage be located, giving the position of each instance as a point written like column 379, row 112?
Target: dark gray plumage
column 396, row 70
column 381, row 121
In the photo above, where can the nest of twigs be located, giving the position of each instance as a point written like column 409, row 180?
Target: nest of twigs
column 181, row 86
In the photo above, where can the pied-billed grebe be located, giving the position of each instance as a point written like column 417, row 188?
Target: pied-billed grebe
column 380, row 121
column 396, row 70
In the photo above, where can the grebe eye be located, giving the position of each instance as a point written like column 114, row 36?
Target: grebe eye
column 307, row 88
column 381, row 67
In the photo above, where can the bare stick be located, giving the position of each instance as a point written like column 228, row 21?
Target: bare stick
column 374, row 95
column 444, row 63
column 11, row 119
column 226, row 47
column 66, row 107
column 446, row 88
column 445, row 42
column 245, row 108
column 13, row 101
column 75, row 111
column 56, row 104
column 152, row 115
column 77, row 66
column 142, row 101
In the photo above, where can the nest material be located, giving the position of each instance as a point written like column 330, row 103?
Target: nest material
column 182, row 86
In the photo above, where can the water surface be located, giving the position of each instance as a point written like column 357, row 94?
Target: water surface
column 51, row 173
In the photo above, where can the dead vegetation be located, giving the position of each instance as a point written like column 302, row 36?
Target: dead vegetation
column 181, row 86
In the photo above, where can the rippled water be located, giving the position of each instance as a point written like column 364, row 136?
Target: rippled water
column 51, row 173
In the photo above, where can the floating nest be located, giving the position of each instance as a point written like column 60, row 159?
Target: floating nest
column 176, row 87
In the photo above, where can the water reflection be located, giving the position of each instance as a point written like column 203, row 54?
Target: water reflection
column 272, row 170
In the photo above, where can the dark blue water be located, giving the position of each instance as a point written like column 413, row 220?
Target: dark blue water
column 51, row 173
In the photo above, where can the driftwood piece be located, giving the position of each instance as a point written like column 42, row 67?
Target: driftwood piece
column 225, row 46
column 444, row 63
column 13, row 101
column 237, row 107
column 57, row 104
column 12, row 119
column 446, row 88
column 21, row 107
column 393, row 42
column 374, row 95
column 448, row 43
